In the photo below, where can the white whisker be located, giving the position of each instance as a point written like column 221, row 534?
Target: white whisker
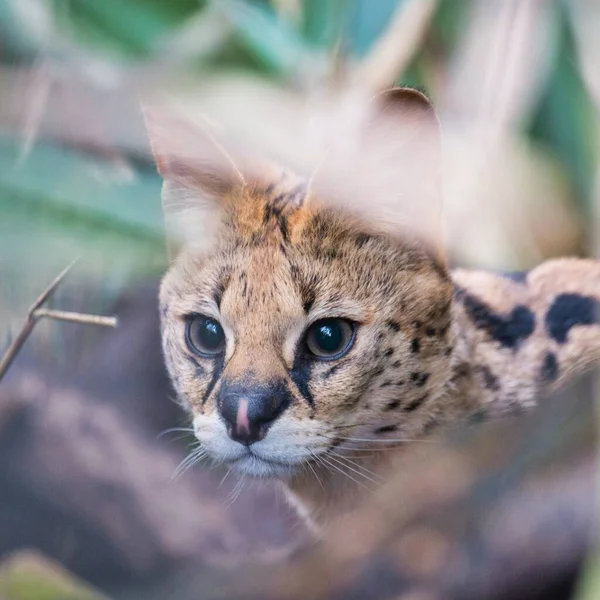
column 347, row 466
column 358, row 466
column 335, row 467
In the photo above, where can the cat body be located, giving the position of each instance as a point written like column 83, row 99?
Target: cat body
column 310, row 345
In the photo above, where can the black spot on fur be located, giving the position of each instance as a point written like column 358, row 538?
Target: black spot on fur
column 274, row 211
column 362, row 239
column 419, row 379
column 490, row 381
column 415, row 346
column 392, row 405
column 430, row 331
column 386, row 383
column 386, row 429
column 509, row 331
column 377, row 372
column 396, row 364
column 388, row 352
column 570, row 310
column 549, row 368
column 400, row 383
column 393, row 326
column 415, row 403
column 331, row 371
column 305, row 287
column 461, row 370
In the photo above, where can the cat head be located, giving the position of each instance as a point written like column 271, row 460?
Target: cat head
column 297, row 318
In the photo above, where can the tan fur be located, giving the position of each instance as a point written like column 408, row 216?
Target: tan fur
column 431, row 348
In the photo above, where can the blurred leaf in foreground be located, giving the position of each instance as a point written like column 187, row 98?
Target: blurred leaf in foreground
column 29, row 576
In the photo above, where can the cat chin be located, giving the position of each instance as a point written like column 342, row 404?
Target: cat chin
column 251, row 465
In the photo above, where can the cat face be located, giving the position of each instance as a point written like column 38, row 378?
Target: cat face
column 300, row 329
column 293, row 337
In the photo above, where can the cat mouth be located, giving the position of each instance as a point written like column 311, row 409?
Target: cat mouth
column 255, row 465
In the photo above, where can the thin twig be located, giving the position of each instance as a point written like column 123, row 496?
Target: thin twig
column 36, row 313
column 74, row 317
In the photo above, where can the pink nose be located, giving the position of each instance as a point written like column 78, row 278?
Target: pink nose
column 249, row 409
column 242, row 424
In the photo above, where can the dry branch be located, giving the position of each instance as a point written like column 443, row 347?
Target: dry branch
column 36, row 312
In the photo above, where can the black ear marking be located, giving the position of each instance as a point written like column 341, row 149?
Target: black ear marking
column 571, row 310
column 509, row 331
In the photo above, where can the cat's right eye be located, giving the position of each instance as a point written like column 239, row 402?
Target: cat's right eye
column 204, row 336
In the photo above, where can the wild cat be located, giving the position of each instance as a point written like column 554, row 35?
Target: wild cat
column 305, row 332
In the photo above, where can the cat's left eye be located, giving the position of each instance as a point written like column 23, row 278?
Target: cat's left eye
column 204, row 335
column 328, row 339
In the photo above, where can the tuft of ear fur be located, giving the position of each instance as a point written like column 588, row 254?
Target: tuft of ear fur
column 195, row 176
column 391, row 174
column 378, row 159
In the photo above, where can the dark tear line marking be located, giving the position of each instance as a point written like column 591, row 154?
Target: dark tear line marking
column 509, row 331
column 300, row 374
column 218, row 368
column 568, row 311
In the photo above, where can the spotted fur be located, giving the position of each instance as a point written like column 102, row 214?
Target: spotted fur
column 431, row 347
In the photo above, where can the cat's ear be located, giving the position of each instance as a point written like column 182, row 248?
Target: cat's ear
column 391, row 172
column 198, row 176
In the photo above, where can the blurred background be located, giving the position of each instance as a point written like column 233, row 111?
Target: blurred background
column 87, row 496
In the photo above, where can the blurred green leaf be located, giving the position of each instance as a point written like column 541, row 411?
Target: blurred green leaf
column 565, row 118
column 272, row 43
column 28, row 576
column 357, row 23
column 134, row 28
